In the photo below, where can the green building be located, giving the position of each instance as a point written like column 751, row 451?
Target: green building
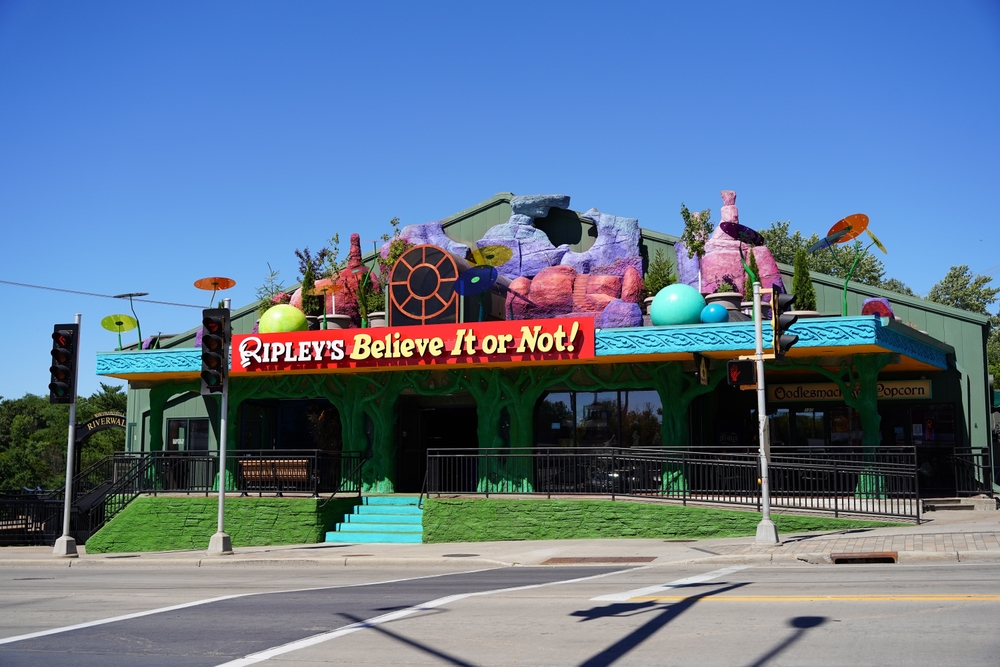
column 918, row 381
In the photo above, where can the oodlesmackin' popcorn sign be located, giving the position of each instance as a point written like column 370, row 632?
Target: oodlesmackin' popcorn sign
column 471, row 343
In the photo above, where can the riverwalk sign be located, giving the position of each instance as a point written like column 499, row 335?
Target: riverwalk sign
column 99, row 422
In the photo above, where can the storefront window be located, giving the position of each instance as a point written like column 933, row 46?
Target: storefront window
column 599, row 419
column 187, row 435
column 554, row 421
column 809, row 428
column 642, row 415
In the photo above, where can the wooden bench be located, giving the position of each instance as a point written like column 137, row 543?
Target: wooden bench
column 275, row 475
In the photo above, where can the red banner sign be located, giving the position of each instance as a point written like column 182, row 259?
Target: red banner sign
column 472, row 343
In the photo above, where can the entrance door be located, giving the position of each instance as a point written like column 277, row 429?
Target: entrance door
column 423, row 428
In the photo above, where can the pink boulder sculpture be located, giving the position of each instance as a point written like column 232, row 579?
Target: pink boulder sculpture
column 722, row 256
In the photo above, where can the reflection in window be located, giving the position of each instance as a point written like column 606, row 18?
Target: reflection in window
column 809, row 428
column 554, row 421
column 642, row 415
column 599, row 419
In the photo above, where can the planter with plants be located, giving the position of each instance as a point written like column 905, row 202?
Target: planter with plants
column 312, row 302
column 659, row 275
column 726, row 294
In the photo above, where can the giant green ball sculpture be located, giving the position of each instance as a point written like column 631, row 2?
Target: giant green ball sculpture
column 676, row 304
column 282, row 318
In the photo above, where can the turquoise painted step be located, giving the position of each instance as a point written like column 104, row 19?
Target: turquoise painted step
column 390, row 500
column 381, row 519
column 388, row 509
column 376, row 538
column 378, row 528
column 411, row 519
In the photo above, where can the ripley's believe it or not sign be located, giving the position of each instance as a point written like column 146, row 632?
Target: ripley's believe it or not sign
column 471, row 343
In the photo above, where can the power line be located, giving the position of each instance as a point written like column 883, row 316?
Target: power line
column 103, row 296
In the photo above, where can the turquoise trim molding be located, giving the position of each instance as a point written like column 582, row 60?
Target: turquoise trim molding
column 176, row 360
column 731, row 336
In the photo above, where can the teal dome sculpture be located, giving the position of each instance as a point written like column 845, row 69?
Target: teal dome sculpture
column 714, row 313
column 677, row 304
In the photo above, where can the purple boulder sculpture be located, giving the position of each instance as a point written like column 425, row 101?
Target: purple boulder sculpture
column 616, row 247
column 619, row 314
column 429, row 233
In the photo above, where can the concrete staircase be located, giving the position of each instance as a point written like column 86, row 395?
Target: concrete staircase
column 960, row 504
column 381, row 519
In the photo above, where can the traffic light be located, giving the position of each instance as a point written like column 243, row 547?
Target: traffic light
column 741, row 373
column 62, row 385
column 781, row 320
column 214, row 344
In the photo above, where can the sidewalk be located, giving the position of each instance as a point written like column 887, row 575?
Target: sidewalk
column 947, row 536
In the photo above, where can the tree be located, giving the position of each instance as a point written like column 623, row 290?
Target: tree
column 33, row 437
column 659, row 274
column 697, row 227
column 802, row 284
column 896, row 285
column 960, row 289
column 311, row 266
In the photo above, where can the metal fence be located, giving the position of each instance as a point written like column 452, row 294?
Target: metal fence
column 836, row 480
column 105, row 488
column 29, row 519
column 973, row 471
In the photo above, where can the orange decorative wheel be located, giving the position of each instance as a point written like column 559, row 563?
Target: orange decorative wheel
column 422, row 287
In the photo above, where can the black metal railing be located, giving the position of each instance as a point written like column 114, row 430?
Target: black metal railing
column 29, row 519
column 973, row 471
column 836, row 480
column 105, row 488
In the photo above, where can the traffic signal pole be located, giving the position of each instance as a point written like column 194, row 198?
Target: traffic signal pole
column 65, row 546
column 767, row 533
column 221, row 544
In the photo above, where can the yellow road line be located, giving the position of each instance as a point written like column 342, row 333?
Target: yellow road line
column 823, row 598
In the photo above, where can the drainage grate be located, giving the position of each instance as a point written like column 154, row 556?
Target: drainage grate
column 459, row 555
column 601, row 560
column 865, row 557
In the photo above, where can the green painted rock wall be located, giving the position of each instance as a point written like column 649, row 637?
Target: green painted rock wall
column 166, row 523
column 489, row 520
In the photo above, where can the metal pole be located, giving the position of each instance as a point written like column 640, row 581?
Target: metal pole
column 767, row 533
column 65, row 546
column 220, row 543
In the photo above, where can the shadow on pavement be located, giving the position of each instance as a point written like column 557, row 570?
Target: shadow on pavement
column 625, row 609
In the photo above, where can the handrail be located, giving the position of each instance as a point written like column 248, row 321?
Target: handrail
column 344, row 478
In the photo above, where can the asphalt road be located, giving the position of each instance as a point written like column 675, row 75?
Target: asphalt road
column 575, row 616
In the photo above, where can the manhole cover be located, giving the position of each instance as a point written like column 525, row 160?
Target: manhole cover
column 601, row 560
column 460, row 555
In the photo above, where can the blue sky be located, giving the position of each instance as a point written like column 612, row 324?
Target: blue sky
column 132, row 134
